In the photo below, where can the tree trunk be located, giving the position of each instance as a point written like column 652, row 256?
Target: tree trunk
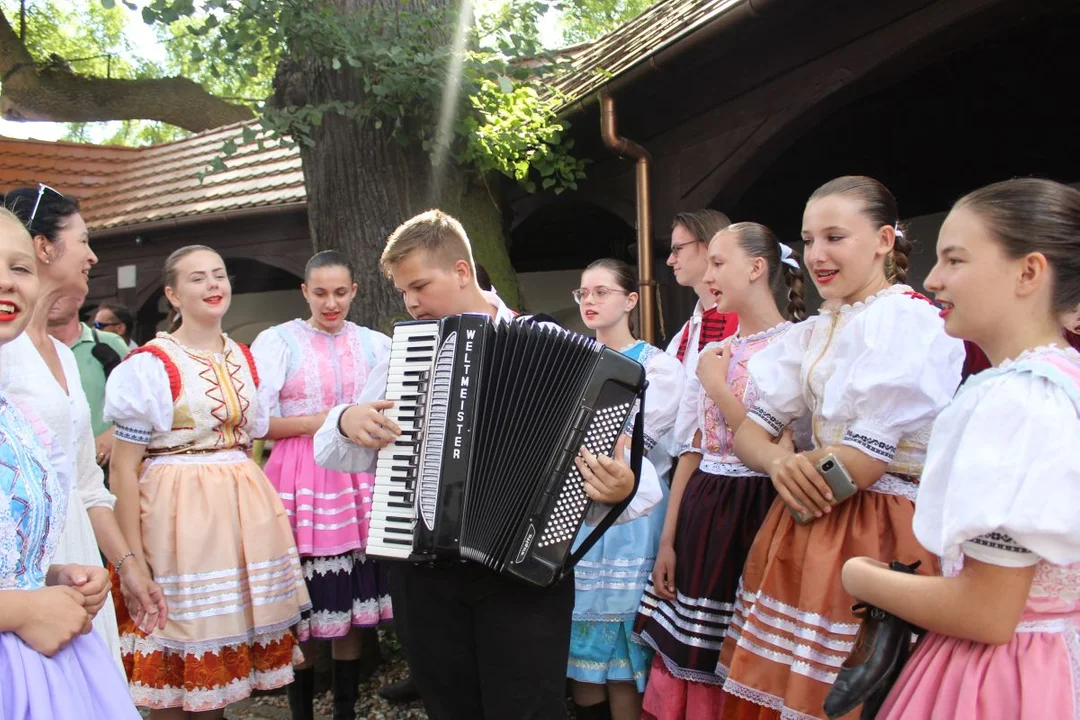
column 55, row 93
column 361, row 185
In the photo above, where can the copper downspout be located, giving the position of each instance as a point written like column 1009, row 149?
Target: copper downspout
column 629, row 148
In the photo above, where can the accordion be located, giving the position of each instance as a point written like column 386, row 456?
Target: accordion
column 492, row 417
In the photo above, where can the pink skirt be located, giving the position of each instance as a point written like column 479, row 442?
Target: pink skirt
column 668, row 697
column 329, row 511
column 1029, row 678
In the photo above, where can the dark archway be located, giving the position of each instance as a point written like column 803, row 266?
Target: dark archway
column 246, row 275
column 567, row 235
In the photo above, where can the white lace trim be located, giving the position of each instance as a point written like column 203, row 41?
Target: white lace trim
column 1063, row 349
column 326, row 565
column 1050, row 625
column 759, row 697
column 148, row 644
column 223, row 457
column 698, row 676
column 212, row 698
column 891, row 290
column 711, row 465
column 892, row 485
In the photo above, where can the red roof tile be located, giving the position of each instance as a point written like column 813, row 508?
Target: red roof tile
column 120, row 187
column 125, row 187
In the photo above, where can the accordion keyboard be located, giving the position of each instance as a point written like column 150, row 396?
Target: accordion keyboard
column 393, row 513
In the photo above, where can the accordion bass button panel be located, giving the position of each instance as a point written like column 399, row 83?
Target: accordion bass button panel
column 573, row 502
column 393, row 515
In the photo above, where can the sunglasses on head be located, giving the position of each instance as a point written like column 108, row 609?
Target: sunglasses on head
column 42, row 187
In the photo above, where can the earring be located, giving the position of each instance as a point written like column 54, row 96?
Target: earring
column 48, row 261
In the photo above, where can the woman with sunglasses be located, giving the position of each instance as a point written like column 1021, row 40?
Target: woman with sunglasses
column 607, row 667
column 41, row 372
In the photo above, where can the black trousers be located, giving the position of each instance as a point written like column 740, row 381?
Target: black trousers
column 481, row 646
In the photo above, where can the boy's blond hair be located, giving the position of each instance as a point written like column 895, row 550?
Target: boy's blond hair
column 439, row 235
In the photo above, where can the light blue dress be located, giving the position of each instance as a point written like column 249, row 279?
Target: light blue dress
column 81, row 681
column 610, row 579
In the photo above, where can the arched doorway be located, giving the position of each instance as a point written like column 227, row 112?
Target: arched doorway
column 263, row 295
column 551, row 247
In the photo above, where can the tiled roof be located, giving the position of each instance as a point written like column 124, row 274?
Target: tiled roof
column 125, row 187
column 120, row 187
column 633, row 42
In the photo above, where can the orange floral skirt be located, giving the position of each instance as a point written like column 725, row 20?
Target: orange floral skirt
column 792, row 627
column 218, row 542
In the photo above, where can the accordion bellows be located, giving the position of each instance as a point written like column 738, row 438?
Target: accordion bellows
column 492, row 418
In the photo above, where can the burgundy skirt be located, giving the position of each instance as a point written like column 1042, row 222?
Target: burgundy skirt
column 718, row 520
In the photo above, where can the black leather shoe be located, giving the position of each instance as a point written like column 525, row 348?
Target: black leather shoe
column 402, row 691
column 881, row 648
column 600, row 711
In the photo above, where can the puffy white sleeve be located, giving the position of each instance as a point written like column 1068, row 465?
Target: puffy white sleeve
column 662, row 397
column 686, row 422
column 776, row 372
column 138, row 399
column 378, row 346
column 895, row 371
column 1002, row 477
column 89, row 477
column 271, row 354
column 333, row 450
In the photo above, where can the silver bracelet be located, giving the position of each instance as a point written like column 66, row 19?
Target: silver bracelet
column 120, row 562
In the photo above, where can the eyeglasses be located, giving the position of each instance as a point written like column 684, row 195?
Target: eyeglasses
column 42, row 187
column 676, row 248
column 98, row 325
column 600, row 293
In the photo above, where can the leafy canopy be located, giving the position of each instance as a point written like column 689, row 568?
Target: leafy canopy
column 398, row 55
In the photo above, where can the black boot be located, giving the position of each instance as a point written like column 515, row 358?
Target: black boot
column 301, row 694
column 881, row 648
column 402, row 691
column 346, row 688
column 599, row 711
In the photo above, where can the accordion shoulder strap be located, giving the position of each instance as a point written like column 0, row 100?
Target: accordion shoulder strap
column 637, row 451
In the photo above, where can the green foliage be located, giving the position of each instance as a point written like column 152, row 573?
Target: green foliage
column 394, row 63
column 587, row 20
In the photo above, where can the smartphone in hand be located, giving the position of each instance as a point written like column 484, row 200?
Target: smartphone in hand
column 839, row 482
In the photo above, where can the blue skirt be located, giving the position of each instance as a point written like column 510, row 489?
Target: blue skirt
column 602, row 652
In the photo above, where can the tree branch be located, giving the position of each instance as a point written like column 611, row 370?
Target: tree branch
column 54, row 93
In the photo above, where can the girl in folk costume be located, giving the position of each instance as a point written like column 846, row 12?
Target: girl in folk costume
column 1002, row 480
column 690, row 236
column 41, row 371
column 860, row 369
column 52, row 665
column 200, row 515
column 717, row 504
column 608, row 668
column 307, row 367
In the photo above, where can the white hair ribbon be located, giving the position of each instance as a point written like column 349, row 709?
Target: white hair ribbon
column 787, row 256
column 899, row 232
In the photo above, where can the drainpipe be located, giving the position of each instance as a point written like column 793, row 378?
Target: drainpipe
column 629, row 148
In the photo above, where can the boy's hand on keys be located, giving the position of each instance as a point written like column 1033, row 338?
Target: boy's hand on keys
column 366, row 426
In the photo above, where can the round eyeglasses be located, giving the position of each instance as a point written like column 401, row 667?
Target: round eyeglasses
column 600, row 293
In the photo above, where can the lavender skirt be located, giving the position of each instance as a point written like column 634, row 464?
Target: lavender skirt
column 81, row 682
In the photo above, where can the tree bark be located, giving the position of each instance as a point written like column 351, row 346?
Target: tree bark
column 52, row 92
column 361, row 185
